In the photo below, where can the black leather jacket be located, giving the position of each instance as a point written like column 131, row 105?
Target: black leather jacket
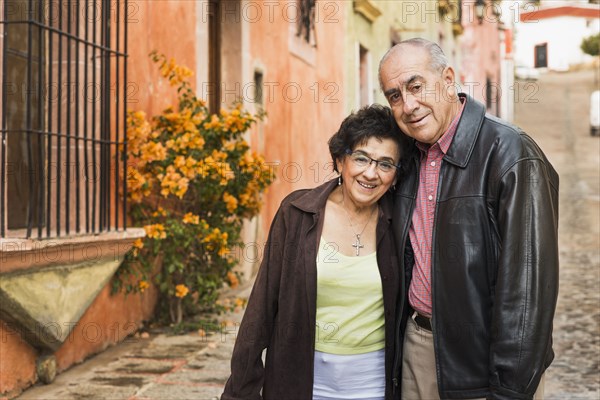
column 494, row 260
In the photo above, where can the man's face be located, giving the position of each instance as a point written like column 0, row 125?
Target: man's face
column 423, row 101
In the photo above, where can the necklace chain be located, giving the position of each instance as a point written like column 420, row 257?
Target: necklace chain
column 357, row 245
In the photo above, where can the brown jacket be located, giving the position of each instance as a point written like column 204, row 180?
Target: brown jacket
column 280, row 316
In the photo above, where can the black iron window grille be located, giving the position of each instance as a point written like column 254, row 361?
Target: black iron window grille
column 63, row 148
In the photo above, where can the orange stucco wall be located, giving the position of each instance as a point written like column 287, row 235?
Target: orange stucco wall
column 107, row 321
column 299, row 122
column 17, row 361
column 168, row 27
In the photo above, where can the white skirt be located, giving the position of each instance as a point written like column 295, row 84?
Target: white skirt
column 356, row 376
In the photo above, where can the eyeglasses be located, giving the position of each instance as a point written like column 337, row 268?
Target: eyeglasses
column 360, row 159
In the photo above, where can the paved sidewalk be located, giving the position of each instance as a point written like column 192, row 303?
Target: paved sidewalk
column 157, row 367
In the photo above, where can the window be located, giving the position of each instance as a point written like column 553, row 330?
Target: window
column 364, row 77
column 306, row 21
column 24, row 153
column 63, row 148
column 214, row 56
column 258, row 89
column 541, row 55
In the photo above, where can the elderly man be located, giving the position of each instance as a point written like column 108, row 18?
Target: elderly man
column 476, row 218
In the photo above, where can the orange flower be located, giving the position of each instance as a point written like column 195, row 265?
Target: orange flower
column 233, row 280
column 176, row 74
column 173, row 182
column 143, row 285
column 181, row 291
column 214, row 123
column 223, row 251
column 160, row 212
column 138, row 185
column 156, row 231
column 190, row 218
column 239, row 302
column 152, row 151
column 230, row 201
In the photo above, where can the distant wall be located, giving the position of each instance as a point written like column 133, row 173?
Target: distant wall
column 563, row 36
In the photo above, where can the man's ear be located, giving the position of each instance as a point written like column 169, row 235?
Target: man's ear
column 450, row 81
column 448, row 75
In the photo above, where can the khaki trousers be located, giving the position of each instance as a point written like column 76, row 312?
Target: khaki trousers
column 419, row 380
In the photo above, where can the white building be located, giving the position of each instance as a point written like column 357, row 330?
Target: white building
column 550, row 37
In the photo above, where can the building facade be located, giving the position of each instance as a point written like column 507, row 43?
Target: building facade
column 72, row 70
column 550, row 37
column 480, row 71
column 375, row 26
column 470, row 32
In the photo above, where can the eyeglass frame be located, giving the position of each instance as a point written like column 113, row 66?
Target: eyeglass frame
column 372, row 160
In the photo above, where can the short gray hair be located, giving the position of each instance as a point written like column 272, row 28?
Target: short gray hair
column 438, row 59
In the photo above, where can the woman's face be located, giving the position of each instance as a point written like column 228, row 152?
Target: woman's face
column 365, row 184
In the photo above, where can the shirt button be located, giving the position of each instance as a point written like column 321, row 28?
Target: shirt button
column 433, row 163
column 430, row 197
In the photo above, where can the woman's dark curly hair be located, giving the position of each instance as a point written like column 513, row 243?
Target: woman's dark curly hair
column 356, row 129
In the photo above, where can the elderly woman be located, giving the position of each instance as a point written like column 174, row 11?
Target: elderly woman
column 324, row 300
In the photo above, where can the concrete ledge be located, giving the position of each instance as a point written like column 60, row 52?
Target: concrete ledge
column 47, row 285
column 21, row 254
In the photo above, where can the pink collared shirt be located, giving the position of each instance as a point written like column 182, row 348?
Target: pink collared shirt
column 421, row 229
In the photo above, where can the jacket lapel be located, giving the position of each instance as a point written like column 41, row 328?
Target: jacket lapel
column 313, row 203
column 467, row 132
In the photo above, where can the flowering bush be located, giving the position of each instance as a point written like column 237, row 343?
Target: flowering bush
column 192, row 179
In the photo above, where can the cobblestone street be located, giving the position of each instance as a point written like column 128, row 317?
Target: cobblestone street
column 554, row 110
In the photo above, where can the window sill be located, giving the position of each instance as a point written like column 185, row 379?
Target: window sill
column 23, row 254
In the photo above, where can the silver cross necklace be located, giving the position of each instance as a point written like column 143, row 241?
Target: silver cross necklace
column 357, row 245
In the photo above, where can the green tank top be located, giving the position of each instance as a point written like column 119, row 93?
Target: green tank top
column 350, row 315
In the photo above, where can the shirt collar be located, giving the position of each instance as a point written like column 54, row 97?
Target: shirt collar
column 445, row 141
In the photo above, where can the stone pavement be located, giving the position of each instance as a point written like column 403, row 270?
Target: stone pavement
column 554, row 111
